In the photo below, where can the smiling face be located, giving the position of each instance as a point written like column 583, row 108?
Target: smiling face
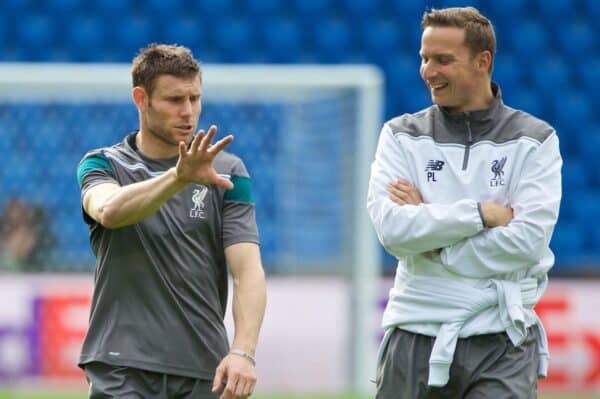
column 456, row 79
column 169, row 114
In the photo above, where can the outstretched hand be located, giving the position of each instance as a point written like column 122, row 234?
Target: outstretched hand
column 196, row 164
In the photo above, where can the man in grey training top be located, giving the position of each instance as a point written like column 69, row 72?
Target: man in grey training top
column 466, row 195
column 168, row 214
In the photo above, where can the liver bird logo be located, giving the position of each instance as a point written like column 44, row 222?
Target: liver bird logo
column 198, row 196
column 498, row 168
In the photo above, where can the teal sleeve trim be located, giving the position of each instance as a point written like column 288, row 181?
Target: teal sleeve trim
column 94, row 162
column 241, row 191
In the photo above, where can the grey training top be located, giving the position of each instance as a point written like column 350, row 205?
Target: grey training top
column 161, row 284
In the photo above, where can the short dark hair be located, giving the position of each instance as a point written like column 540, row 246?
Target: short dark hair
column 163, row 59
column 479, row 31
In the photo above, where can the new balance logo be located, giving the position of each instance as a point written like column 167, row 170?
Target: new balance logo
column 432, row 167
column 498, row 171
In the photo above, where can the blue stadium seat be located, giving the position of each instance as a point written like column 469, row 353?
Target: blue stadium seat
column 264, row 8
column 360, row 9
column 594, row 240
column 164, row 9
column 459, row 3
column 508, row 73
column 408, row 10
column 586, row 208
column 406, row 90
column 506, row 10
column 15, row 9
column 87, row 33
column 555, row 12
column 5, row 30
column 380, row 38
column 282, row 38
column 234, row 39
column 576, row 38
column 575, row 174
column 137, row 33
column 572, row 111
column 551, row 76
column 311, row 9
column 529, row 39
column 568, row 242
column 589, row 148
column 502, row 14
column 525, row 99
column 210, row 10
column 589, row 78
column 113, row 8
column 591, row 8
column 185, row 30
column 35, row 31
column 61, row 9
column 333, row 39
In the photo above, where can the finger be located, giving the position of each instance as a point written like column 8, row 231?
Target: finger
column 403, row 181
column 398, row 201
column 240, row 389
column 224, row 183
column 398, row 192
column 205, row 143
column 231, row 386
column 415, row 197
column 219, row 145
column 181, row 149
column 218, row 380
column 197, row 140
column 403, row 185
column 251, row 388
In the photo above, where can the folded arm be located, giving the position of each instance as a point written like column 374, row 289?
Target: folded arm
column 524, row 241
column 411, row 229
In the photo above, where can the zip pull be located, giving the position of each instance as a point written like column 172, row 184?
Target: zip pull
column 468, row 146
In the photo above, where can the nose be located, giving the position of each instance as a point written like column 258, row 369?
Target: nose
column 428, row 71
column 186, row 108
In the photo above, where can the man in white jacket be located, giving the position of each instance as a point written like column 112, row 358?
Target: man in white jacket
column 465, row 194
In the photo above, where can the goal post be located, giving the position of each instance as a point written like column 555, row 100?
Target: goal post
column 313, row 130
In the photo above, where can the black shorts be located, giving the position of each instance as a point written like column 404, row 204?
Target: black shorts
column 107, row 382
column 485, row 366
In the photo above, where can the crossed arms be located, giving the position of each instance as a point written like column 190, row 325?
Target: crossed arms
column 473, row 241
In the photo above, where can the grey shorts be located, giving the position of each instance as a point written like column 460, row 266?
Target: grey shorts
column 107, row 382
column 485, row 366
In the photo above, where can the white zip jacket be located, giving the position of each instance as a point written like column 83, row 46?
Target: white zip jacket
column 456, row 161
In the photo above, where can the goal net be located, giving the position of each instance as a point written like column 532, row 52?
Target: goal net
column 307, row 135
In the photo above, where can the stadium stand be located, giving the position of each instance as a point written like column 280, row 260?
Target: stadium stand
column 547, row 64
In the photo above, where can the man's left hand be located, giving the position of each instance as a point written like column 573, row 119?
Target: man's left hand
column 237, row 374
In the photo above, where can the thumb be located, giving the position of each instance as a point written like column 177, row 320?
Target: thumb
column 218, row 381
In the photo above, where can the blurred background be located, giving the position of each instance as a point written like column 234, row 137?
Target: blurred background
column 547, row 63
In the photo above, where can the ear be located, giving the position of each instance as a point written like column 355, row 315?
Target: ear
column 484, row 60
column 140, row 98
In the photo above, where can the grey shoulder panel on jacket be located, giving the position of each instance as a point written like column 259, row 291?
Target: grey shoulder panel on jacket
column 514, row 124
column 417, row 124
column 506, row 124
